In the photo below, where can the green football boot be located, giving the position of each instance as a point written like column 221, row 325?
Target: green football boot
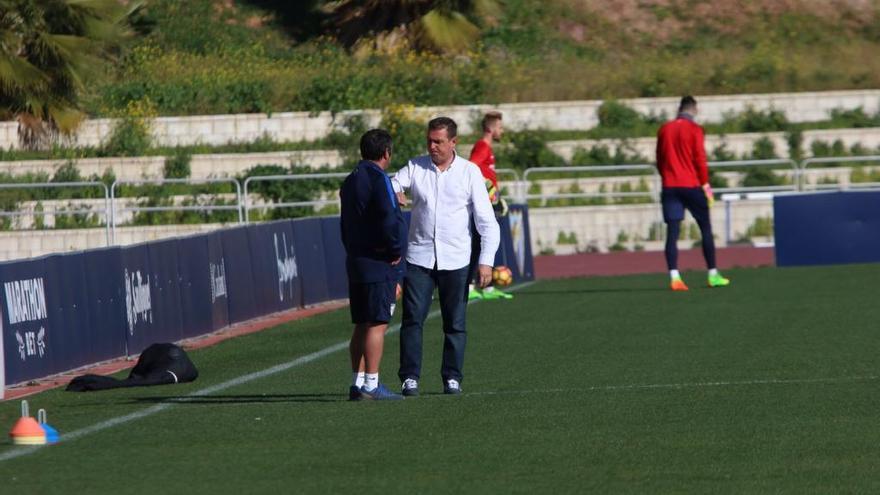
column 474, row 295
column 492, row 293
column 718, row 281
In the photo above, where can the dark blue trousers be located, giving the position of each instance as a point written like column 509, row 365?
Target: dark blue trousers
column 418, row 286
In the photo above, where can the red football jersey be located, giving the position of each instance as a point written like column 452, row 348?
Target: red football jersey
column 483, row 157
column 681, row 155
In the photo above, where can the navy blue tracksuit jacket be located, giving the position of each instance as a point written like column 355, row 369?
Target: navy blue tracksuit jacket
column 373, row 228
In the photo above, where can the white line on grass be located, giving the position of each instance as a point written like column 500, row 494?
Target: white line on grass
column 742, row 383
column 73, row 435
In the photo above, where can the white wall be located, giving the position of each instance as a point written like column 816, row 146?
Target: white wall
column 566, row 115
column 233, row 164
column 599, row 226
column 32, row 243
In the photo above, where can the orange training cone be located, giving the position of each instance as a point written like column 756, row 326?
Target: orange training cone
column 26, row 430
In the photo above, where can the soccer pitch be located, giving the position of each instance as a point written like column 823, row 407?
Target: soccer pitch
column 612, row 385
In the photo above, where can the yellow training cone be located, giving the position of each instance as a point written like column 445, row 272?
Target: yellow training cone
column 26, row 430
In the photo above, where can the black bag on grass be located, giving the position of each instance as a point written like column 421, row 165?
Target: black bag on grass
column 159, row 364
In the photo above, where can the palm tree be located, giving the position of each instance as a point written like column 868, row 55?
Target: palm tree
column 443, row 25
column 49, row 50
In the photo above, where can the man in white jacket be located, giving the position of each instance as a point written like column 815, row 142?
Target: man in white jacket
column 446, row 190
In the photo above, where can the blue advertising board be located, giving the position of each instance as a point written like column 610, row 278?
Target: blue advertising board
column 239, row 274
column 66, row 311
column 827, row 228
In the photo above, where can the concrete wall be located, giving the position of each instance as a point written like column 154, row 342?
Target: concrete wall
column 233, row 164
column 567, row 115
column 595, row 227
column 201, row 166
column 32, row 243
column 598, row 227
column 738, row 144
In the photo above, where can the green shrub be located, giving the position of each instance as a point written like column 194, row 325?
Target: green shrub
column 615, row 115
column 131, row 134
column 408, row 130
column 854, row 118
column 761, row 177
column 569, row 238
column 761, row 227
column 177, row 166
column 770, row 120
column 601, row 155
column 795, row 140
column 620, row 244
column 763, row 149
column 526, row 149
column 716, row 180
column 860, row 174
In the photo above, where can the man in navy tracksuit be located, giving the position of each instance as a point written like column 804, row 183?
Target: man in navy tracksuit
column 374, row 235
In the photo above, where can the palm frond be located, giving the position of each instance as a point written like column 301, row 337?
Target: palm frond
column 445, row 25
column 449, row 32
column 19, row 76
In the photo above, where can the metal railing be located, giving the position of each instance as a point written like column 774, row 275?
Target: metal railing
column 76, row 211
column 606, row 195
column 247, row 206
column 793, row 186
column 115, row 212
column 845, row 159
column 508, row 171
column 518, row 181
column 606, row 172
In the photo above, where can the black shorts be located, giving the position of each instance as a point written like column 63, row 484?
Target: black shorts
column 676, row 199
column 372, row 303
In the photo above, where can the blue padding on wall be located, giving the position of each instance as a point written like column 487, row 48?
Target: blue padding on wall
column 138, row 291
column 308, row 240
column 276, row 266
column 827, row 228
column 28, row 340
column 516, row 246
column 106, row 301
column 167, row 310
column 239, row 274
column 198, row 289
column 69, row 328
column 219, row 281
column 66, row 311
column 334, row 259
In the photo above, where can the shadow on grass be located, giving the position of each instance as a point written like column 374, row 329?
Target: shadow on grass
column 244, row 399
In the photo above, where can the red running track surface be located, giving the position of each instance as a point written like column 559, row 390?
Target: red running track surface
column 630, row 263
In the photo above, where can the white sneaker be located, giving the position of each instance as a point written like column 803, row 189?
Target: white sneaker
column 410, row 388
column 452, row 387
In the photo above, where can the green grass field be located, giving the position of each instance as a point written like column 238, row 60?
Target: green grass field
column 611, row 385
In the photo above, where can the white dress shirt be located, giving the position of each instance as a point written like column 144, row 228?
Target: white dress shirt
column 442, row 204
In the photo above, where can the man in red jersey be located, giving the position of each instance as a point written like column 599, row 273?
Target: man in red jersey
column 681, row 160
column 482, row 155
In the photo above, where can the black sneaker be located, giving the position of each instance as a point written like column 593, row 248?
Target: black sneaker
column 410, row 388
column 451, row 387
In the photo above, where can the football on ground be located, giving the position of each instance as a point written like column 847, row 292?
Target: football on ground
column 502, row 276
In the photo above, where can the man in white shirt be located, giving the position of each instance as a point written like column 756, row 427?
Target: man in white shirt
column 446, row 191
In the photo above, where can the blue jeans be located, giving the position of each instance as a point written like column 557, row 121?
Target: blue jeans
column 418, row 286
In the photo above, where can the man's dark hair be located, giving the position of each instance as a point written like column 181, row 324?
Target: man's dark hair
column 687, row 103
column 374, row 144
column 444, row 123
